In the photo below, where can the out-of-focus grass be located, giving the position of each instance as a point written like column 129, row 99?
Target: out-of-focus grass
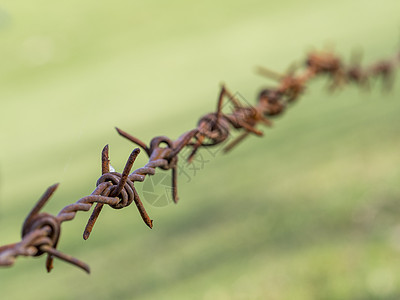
column 307, row 212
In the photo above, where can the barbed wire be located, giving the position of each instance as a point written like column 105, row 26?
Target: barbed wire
column 41, row 231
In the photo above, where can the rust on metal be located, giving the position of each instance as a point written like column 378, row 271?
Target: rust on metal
column 41, row 231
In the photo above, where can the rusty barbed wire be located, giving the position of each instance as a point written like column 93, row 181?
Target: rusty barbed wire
column 41, row 231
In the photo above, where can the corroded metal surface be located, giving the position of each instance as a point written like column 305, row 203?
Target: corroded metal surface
column 41, row 231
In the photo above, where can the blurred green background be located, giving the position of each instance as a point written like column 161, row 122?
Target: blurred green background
column 310, row 211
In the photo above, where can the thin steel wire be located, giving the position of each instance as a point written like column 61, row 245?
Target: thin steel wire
column 41, row 231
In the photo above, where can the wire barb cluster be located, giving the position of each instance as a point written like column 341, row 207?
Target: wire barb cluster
column 41, row 231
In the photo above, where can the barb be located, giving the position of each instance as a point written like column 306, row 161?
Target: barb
column 40, row 234
column 41, row 231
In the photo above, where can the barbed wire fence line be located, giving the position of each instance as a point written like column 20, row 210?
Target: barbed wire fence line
column 41, row 231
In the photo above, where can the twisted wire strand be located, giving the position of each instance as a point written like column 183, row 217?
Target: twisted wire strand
column 41, row 231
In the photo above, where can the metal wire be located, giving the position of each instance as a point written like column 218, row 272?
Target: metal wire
column 41, row 231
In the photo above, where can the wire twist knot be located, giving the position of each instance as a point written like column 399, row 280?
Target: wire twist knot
column 126, row 194
column 214, row 128
column 41, row 221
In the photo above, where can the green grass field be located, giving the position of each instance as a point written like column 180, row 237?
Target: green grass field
column 309, row 211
